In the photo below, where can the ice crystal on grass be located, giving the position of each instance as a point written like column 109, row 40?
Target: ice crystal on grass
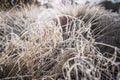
column 68, row 42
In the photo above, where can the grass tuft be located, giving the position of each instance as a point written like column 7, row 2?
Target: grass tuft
column 70, row 42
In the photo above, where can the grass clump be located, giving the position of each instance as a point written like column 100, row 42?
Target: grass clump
column 65, row 44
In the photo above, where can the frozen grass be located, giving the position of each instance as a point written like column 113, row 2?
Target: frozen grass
column 63, row 43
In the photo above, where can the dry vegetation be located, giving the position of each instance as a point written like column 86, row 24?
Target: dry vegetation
column 73, row 42
column 6, row 5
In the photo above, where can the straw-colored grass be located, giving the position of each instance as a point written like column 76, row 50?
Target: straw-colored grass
column 58, row 44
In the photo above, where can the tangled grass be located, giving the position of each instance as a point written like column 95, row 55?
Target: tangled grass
column 72, row 42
